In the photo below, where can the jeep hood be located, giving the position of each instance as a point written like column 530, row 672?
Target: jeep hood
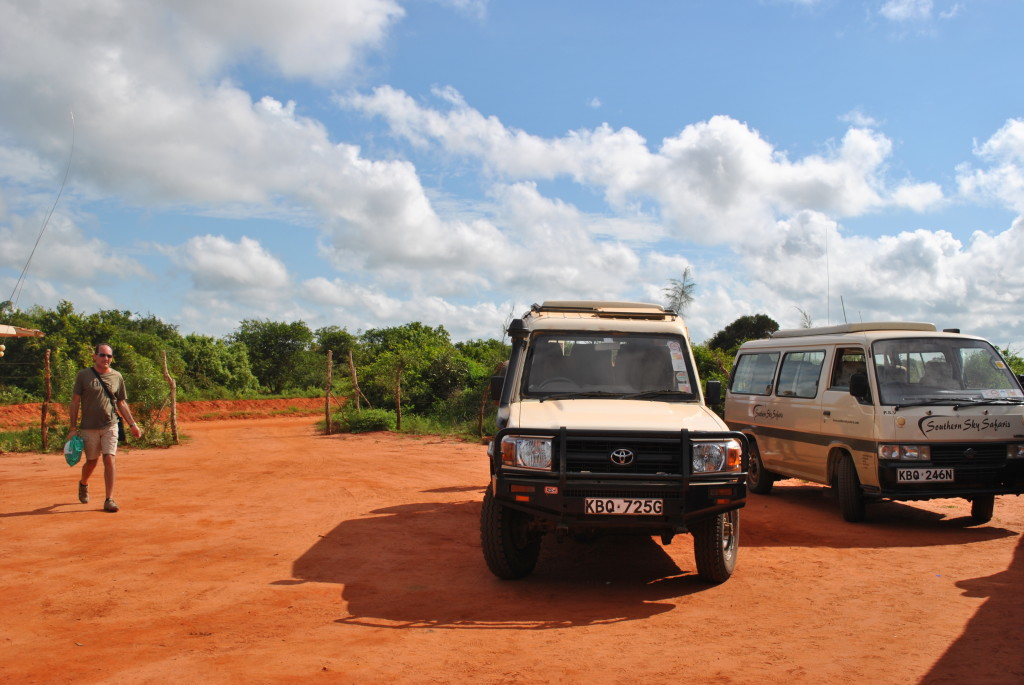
column 603, row 414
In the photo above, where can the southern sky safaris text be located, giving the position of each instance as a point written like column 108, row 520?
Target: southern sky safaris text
column 930, row 424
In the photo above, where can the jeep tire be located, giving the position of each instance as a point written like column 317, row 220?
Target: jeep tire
column 715, row 546
column 510, row 547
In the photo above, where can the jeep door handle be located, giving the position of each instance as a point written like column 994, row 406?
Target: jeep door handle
column 827, row 413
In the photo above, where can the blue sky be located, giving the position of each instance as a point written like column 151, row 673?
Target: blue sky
column 373, row 162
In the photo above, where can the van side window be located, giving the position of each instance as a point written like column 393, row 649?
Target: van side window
column 800, row 373
column 753, row 373
column 847, row 362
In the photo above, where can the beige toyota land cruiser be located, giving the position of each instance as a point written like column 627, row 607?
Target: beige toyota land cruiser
column 603, row 428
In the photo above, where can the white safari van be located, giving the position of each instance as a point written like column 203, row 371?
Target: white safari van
column 894, row 411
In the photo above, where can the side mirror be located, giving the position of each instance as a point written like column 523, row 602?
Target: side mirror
column 859, row 387
column 496, row 384
column 1021, row 380
column 713, row 394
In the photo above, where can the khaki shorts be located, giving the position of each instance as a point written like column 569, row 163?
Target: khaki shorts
column 99, row 441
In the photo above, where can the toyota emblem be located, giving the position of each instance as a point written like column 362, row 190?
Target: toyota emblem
column 622, row 457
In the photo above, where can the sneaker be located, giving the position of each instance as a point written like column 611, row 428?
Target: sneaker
column 110, row 506
column 83, row 492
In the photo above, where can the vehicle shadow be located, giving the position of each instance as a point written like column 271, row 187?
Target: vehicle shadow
column 806, row 515
column 420, row 565
column 989, row 650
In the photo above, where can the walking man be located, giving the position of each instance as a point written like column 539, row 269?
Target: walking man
column 99, row 392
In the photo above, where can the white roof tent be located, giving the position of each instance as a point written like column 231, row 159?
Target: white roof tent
column 19, row 332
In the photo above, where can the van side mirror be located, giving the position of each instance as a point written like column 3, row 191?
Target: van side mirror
column 859, row 387
column 1020, row 378
column 713, row 394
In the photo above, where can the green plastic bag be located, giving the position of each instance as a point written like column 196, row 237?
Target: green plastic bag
column 73, row 450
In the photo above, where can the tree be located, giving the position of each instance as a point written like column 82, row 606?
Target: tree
column 742, row 329
column 273, row 347
column 414, row 360
column 213, row 365
column 679, row 292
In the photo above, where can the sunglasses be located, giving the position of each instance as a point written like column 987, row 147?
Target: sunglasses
column 105, row 356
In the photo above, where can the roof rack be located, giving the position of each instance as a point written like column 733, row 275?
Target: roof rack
column 855, row 328
column 605, row 309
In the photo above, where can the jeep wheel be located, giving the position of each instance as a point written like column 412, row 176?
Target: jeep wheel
column 851, row 500
column 510, row 547
column 759, row 480
column 716, row 542
column 981, row 508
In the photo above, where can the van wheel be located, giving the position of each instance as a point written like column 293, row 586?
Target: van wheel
column 981, row 508
column 716, row 542
column 510, row 547
column 851, row 500
column 759, row 480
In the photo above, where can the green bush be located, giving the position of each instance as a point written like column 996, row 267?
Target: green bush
column 364, row 420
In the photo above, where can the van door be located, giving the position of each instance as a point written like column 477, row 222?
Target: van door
column 797, row 399
column 846, row 419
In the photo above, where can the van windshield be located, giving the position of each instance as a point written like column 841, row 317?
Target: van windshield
column 625, row 365
column 936, row 370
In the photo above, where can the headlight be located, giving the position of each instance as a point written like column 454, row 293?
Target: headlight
column 717, row 456
column 528, row 453
column 905, row 452
column 1015, row 451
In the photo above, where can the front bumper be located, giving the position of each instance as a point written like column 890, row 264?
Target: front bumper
column 663, row 472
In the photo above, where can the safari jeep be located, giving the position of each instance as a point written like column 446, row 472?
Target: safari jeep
column 603, row 428
column 895, row 411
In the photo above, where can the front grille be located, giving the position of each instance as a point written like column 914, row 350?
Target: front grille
column 623, row 494
column 650, row 456
column 969, row 455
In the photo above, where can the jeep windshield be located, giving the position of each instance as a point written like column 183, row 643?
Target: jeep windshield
column 581, row 365
column 960, row 371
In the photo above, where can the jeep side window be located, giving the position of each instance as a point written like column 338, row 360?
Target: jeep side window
column 753, row 373
column 800, row 373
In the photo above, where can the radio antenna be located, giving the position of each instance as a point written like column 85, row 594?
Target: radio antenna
column 16, row 293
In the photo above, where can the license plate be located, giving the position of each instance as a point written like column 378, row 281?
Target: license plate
column 924, row 475
column 617, row 505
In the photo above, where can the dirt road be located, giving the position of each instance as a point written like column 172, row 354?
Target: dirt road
column 261, row 552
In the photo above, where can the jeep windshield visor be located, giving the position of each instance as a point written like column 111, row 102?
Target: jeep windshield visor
column 916, row 371
column 567, row 364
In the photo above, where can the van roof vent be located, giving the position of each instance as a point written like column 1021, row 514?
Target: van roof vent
column 855, row 328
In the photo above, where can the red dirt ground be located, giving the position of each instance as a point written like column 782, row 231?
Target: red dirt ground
column 262, row 552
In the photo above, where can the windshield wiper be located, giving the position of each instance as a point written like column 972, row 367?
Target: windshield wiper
column 991, row 400
column 934, row 400
column 655, row 394
column 961, row 401
column 579, row 394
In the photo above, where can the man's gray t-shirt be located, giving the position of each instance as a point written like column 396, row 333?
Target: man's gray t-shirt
column 96, row 409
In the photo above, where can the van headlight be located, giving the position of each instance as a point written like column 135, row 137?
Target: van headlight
column 726, row 455
column 527, row 453
column 905, row 452
column 1015, row 451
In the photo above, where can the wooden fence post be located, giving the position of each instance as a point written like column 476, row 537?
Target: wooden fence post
column 327, row 391
column 174, row 401
column 46, row 401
